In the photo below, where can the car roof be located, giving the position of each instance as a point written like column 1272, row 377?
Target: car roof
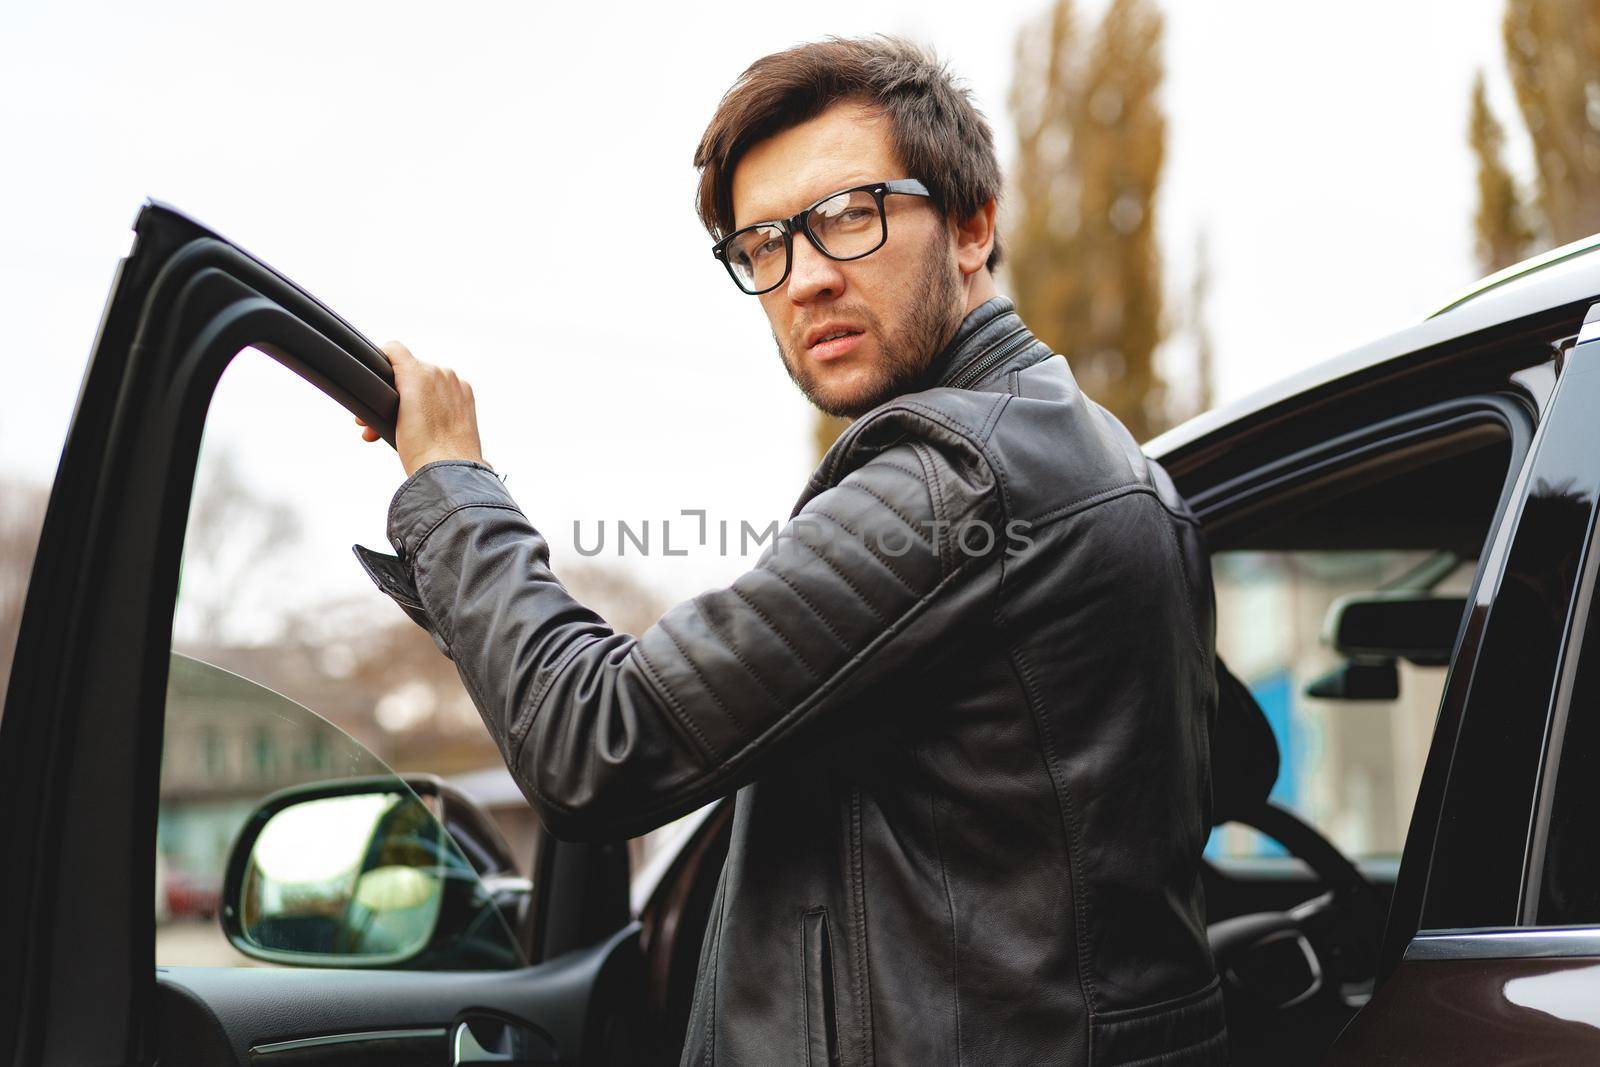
column 1523, row 270
column 1563, row 276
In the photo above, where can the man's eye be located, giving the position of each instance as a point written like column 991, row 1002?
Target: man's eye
column 856, row 214
column 767, row 249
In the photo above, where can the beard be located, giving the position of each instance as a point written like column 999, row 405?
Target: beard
column 934, row 313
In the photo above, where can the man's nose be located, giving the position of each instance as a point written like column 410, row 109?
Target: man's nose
column 812, row 275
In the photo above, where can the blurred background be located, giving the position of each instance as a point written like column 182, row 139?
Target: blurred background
column 1202, row 198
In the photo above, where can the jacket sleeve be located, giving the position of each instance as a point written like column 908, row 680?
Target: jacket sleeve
column 610, row 735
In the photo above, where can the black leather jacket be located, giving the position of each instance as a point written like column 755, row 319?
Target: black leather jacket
column 973, row 773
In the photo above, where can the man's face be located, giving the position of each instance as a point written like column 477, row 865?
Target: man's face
column 898, row 305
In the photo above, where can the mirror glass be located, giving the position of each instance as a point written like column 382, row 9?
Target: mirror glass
column 360, row 875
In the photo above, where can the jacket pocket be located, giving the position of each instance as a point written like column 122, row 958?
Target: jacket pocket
column 1190, row 1029
column 822, row 1039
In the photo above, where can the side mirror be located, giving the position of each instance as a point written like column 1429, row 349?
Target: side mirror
column 361, row 872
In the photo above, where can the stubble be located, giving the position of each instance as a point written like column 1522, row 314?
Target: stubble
column 933, row 316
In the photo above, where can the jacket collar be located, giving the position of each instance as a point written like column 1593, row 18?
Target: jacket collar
column 992, row 329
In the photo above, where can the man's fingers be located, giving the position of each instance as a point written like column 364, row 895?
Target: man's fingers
column 397, row 352
column 437, row 417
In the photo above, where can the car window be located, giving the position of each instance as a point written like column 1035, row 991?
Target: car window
column 1350, row 767
column 227, row 744
column 274, row 618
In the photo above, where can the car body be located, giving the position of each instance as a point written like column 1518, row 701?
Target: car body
column 1470, row 438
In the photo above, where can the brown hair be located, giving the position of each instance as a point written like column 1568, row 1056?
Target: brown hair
column 939, row 136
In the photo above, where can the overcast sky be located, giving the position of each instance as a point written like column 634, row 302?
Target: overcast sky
column 453, row 177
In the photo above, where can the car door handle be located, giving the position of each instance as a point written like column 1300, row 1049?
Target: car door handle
column 491, row 1039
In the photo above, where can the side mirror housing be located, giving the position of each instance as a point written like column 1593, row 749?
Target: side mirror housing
column 362, row 872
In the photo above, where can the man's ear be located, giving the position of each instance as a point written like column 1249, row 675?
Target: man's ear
column 974, row 238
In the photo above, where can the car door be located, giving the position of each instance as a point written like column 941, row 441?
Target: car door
column 1353, row 494
column 81, row 740
column 1422, row 402
column 1493, row 949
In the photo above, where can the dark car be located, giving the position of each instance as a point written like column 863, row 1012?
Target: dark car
column 1406, row 761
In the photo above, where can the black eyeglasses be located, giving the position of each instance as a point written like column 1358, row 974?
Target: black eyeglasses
column 845, row 225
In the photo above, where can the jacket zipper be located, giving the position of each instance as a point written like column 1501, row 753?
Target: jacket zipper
column 1003, row 350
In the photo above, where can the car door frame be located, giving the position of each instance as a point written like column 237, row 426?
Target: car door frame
column 80, row 740
column 1469, row 933
column 1511, row 342
column 1224, row 503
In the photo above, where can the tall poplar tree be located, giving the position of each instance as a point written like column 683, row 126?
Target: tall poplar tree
column 1552, row 50
column 825, row 430
column 1085, row 266
column 1502, row 232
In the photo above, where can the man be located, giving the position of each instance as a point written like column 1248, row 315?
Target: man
column 964, row 698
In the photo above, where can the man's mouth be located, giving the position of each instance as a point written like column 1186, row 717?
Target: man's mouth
column 831, row 342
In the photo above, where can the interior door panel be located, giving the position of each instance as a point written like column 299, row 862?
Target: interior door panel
column 262, row 1017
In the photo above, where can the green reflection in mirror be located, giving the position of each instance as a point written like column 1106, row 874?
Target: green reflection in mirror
column 346, row 876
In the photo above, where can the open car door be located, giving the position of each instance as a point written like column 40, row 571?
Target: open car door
column 81, row 745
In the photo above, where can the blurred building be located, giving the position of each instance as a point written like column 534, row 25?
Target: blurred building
column 228, row 743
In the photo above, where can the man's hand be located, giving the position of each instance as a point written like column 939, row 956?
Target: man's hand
column 437, row 420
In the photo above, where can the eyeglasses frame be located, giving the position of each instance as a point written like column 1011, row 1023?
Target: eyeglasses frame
column 797, row 223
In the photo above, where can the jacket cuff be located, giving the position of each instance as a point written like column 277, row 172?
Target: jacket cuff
column 435, row 492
